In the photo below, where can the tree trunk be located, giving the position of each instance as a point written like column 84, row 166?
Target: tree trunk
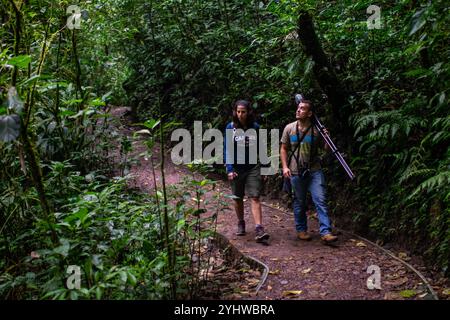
column 323, row 71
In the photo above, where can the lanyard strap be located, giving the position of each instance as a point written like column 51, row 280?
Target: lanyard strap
column 298, row 147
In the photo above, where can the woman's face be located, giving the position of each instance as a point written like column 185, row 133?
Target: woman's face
column 241, row 113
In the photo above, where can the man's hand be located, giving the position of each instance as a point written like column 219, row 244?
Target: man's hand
column 286, row 173
column 232, row 175
column 326, row 146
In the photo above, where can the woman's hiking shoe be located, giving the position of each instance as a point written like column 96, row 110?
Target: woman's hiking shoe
column 329, row 238
column 241, row 228
column 261, row 235
column 303, row 235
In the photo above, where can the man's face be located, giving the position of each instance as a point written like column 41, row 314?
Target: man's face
column 303, row 111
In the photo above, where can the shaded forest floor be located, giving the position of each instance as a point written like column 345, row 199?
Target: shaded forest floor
column 297, row 269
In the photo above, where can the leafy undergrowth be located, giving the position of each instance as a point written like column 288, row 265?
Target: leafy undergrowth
column 112, row 235
column 107, row 231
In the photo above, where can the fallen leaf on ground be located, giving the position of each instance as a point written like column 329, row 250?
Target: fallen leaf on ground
column 446, row 292
column 361, row 244
column 408, row 293
column 252, row 282
column 404, row 256
column 274, row 272
column 269, row 288
column 397, row 282
column 274, row 259
column 392, row 296
column 306, row 270
column 290, row 293
column 392, row 276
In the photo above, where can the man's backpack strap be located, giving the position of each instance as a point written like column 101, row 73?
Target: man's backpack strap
column 300, row 139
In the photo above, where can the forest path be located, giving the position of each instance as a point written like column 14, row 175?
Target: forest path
column 298, row 269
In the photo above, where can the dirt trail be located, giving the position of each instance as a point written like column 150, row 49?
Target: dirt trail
column 311, row 270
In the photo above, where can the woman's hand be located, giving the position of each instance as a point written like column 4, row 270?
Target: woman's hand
column 232, row 175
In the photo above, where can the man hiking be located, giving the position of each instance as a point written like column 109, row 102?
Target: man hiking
column 301, row 164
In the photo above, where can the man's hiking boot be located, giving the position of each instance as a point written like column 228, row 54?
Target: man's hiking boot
column 329, row 238
column 303, row 235
column 241, row 228
column 261, row 235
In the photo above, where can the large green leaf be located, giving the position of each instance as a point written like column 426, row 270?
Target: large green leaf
column 64, row 248
column 9, row 127
column 151, row 123
column 14, row 101
column 418, row 21
column 20, row 62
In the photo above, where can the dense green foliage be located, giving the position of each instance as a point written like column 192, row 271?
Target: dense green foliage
column 56, row 134
column 186, row 60
column 60, row 205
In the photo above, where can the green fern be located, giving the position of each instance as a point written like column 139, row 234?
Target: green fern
column 387, row 125
column 416, row 167
column 440, row 132
column 417, row 173
column 437, row 183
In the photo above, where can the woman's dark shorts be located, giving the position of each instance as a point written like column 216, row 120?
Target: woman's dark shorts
column 247, row 182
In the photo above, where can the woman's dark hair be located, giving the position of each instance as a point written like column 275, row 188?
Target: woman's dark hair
column 250, row 115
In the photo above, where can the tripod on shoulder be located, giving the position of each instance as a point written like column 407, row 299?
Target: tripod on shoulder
column 320, row 127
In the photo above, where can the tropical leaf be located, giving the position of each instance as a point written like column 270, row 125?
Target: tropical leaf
column 9, row 127
column 20, row 62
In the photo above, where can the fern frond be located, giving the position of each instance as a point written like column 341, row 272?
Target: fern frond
column 387, row 124
column 434, row 184
column 408, row 174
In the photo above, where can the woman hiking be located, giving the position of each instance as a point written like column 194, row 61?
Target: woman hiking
column 242, row 166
